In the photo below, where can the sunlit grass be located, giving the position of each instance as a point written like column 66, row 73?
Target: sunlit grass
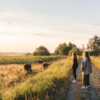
column 43, row 85
column 96, row 62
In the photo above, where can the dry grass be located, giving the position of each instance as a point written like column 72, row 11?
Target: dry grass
column 96, row 62
column 52, row 83
column 13, row 74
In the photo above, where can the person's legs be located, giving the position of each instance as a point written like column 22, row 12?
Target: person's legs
column 74, row 74
column 88, row 80
column 86, row 77
column 85, row 80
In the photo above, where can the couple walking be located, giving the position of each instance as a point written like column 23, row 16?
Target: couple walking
column 86, row 69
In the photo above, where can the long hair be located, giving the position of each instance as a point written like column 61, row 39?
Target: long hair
column 75, row 57
column 86, row 54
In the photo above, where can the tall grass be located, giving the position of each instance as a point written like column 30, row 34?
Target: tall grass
column 13, row 74
column 26, row 59
column 43, row 85
column 96, row 62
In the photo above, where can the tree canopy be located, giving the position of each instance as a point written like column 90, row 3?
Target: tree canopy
column 63, row 48
column 41, row 51
column 94, row 45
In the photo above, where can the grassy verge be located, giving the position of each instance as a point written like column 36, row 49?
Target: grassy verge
column 45, row 85
column 26, row 59
column 96, row 62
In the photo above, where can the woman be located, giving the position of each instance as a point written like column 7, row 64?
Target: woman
column 86, row 69
column 74, row 66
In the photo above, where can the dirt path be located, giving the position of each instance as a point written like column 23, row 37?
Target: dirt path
column 72, row 89
column 93, row 92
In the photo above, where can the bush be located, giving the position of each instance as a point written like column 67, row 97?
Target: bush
column 78, row 52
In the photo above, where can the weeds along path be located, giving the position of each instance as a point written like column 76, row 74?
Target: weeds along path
column 95, row 87
column 93, row 92
column 72, row 89
column 96, row 72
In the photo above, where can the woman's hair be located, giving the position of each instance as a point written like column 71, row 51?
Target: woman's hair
column 75, row 57
column 86, row 55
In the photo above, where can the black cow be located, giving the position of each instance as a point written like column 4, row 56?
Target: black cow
column 40, row 61
column 45, row 65
column 27, row 67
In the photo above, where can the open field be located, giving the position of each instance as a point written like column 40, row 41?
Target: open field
column 26, row 59
column 12, row 74
column 15, row 85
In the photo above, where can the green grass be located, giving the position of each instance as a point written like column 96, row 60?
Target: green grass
column 43, row 85
column 26, row 59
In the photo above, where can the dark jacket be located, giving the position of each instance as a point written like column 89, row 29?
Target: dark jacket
column 74, row 63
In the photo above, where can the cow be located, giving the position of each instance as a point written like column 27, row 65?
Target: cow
column 64, row 57
column 40, row 61
column 45, row 65
column 27, row 67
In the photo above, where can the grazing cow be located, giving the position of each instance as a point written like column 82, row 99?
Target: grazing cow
column 45, row 65
column 27, row 67
column 40, row 61
column 64, row 57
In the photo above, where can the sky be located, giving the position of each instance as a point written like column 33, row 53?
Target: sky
column 28, row 24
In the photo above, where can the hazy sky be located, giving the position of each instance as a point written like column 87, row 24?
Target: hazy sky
column 27, row 24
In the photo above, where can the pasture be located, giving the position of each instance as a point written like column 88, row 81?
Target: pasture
column 15, row 85
column 12, row 75
column 27, row 59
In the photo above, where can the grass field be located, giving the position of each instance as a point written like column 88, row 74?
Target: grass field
column 39, row 85
column 26, row 59
column 96, row 62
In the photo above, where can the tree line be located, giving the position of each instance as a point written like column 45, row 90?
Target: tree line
column 93, row 46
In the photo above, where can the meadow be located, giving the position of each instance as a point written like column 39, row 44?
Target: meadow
column 96, row 62
column 40, row 84
column 26, row 59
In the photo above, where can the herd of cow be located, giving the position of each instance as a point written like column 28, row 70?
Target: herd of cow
column 27, row 67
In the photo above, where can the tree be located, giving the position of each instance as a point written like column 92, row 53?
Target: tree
column 63, row 48
column 83, row 48
column 73, row 50
column 41, row 51
column 94, row 45
column 56, row 52
column 27, row 54
column 78, row 52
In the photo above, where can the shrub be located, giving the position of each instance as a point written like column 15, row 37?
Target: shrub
column 78, row 52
